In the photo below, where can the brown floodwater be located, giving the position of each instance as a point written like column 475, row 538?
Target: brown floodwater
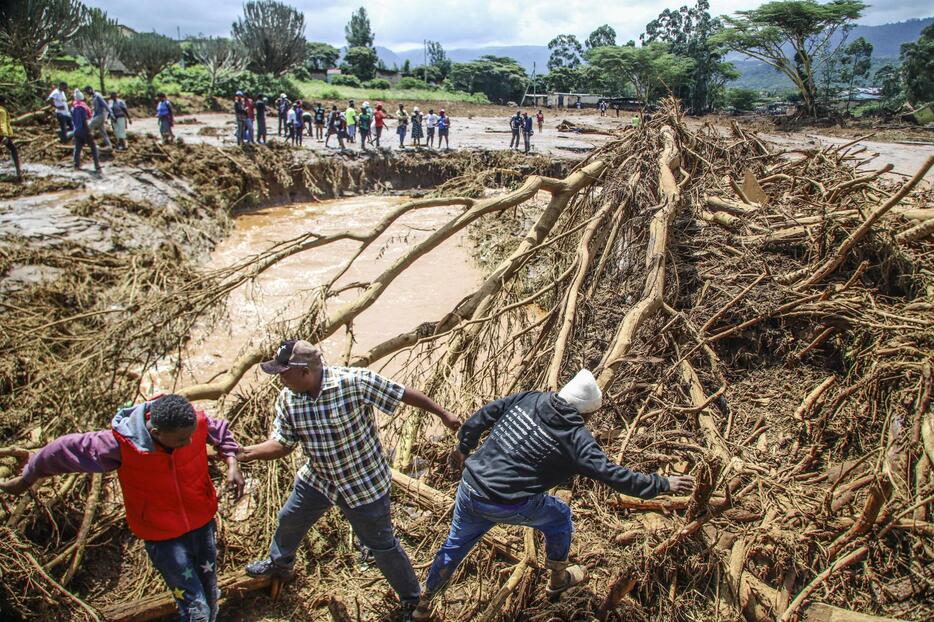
column 426, row 291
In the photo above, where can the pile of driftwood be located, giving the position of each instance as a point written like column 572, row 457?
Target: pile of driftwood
column 757, row 317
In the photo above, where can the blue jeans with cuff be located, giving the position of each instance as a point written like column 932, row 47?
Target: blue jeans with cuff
column 473, row 517
column 371, row 522
column 188, row 564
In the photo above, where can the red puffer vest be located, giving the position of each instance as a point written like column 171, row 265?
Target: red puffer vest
column 167, row 494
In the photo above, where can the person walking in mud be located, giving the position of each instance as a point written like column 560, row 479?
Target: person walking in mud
column 290, row 120
column 334, row 124
column 402, row 123
column 350, row 116
column 166, row 119
column 431, row 122
column 299, row 127
column 6, row 137
column 240, row 116
column 101, row 112
column 159, row 451
column 379, row 123
column 80, row 118
column 417, row 132
column 59, row 100
column 537, row 440
column 515, row 124
column 329, row 411
column 540, row 118
column 119, row 118
column 283, row 105
column 527, row 131
column 319, row 122
column 260, row 107
column 364, row 123
column 444, row 129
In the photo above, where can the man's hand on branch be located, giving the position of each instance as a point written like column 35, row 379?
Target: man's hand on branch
column 680, row 484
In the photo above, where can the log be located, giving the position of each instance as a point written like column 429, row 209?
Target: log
column 819, row 612
column 655, row 261
column 154, row 607
column 718, row 204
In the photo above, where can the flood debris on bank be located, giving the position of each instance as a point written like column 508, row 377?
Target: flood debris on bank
column 759, row 318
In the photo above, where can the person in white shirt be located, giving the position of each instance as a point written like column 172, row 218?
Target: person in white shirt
column 60, row 102
column 291, row 121
column 431, row 122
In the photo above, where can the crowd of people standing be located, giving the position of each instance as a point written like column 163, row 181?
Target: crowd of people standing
column 363, row 126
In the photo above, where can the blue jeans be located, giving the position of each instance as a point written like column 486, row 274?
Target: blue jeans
column 474, row 517
column 248, row 131
column 188, row 564
column 371, row 522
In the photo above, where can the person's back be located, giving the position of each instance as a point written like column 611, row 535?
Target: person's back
column 538, row 441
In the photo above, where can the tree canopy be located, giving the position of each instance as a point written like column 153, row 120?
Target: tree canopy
column 566, row 51
column 650, row 69
column 273, row 35
column 499, row 78
column 149, row 53
column 601, row 37
column 320, row 56
column 29, row 29
column 918, row 67
column 101, row 41
column 361, row 62
column 219, row 56
column 793, row 36
column 358, row 30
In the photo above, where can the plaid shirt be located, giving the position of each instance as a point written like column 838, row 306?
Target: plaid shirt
column 338, row 433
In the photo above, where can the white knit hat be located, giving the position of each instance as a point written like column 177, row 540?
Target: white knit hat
column 582, row 392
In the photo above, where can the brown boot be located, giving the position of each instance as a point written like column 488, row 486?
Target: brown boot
column 422, row 611
column 563, row 576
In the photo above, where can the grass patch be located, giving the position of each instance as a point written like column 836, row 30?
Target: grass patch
column 319, row 89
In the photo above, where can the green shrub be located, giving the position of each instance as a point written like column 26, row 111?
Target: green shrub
column 408, row 83
column 330, row 94
column 377, row 83
column 346, row 80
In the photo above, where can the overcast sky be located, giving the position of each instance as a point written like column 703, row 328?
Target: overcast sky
column 403, row 24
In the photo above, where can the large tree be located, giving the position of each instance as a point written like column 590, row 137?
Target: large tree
column 320, row 56
column 148, row 54
column 29, row 29
column 361, row 62
column 438, row 59
column 794, row 37
column 500, row 78
column 566, row 51
column 101, row 41
column 219, row 56
column 856, row 63
column 601, row 37
column 688, row 32
column 918, row 67
column 651, row 70
column 273, row 34
column 358, row 31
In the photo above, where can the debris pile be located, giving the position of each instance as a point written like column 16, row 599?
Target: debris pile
column 760, row 318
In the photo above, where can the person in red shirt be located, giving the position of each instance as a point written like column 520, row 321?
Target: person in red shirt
column 159, row 451
column 379, row 122
column 250, row 117
column 541, row 120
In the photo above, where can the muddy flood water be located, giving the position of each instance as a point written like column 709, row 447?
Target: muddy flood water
column 427, row 290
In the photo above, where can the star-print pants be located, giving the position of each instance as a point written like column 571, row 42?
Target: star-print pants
column 188, row 564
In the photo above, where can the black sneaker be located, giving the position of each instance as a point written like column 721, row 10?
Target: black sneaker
column 265, row 568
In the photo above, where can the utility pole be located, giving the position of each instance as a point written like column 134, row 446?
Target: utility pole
column 425, row 50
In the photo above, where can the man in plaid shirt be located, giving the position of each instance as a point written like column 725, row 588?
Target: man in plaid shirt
column 329, row 411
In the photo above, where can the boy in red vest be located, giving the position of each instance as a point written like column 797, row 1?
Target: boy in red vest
column 159, row 450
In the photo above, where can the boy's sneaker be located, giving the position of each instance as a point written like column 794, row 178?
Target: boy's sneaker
column 265, row 568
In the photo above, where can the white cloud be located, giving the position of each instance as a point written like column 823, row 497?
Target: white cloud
column 402, row 24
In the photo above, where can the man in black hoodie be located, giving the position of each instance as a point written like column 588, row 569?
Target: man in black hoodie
column 538, row 440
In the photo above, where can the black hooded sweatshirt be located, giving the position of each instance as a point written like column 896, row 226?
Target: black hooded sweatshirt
column 538, row 441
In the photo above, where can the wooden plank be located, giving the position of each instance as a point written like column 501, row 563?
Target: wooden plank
column 154, row 607
column 819, row 612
